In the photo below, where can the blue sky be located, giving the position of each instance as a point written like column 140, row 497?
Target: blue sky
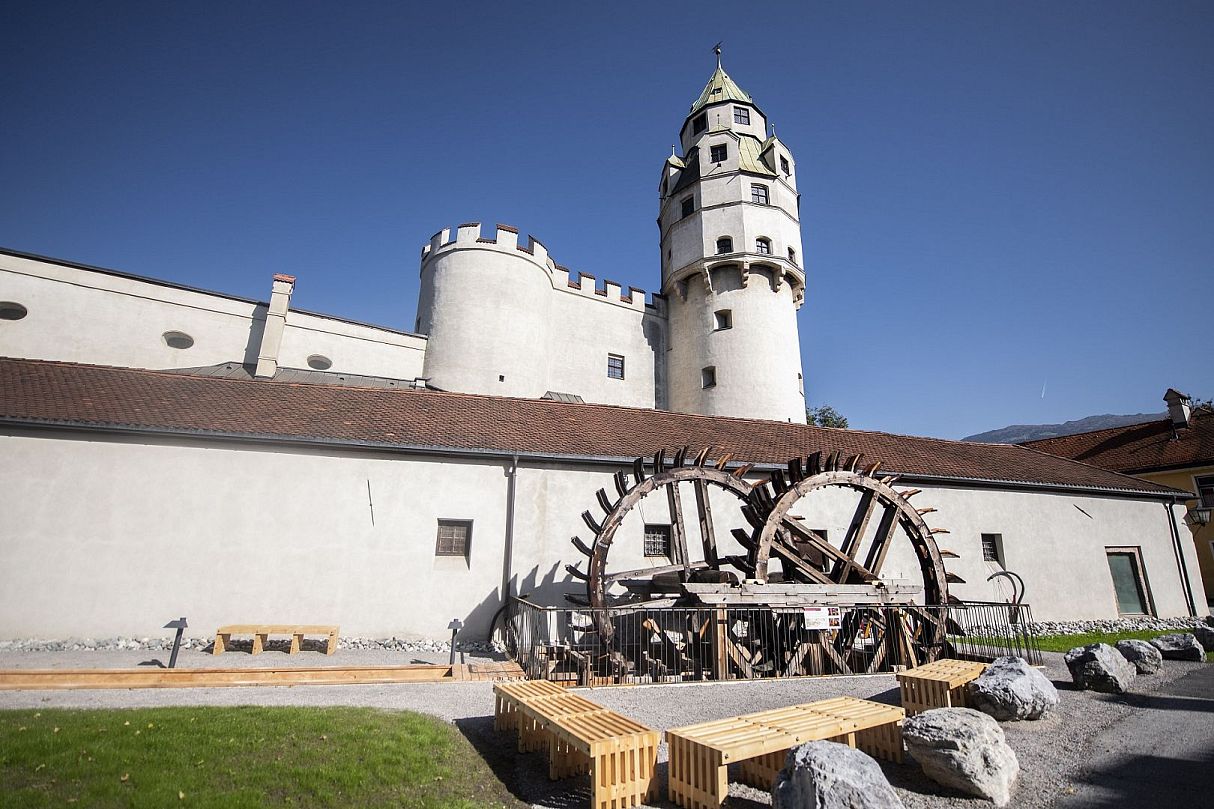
column 995, row 197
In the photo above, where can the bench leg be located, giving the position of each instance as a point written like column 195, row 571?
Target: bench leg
column 882, row 741
column 221, row 642
column 698, row 779
column 296, row 641
column 332, row 647
column 258, row 640
column 760, row 772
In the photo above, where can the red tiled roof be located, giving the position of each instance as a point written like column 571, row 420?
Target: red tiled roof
column 34, row 391
column 1140, row 447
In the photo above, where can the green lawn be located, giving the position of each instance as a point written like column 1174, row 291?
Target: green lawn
column 1064, row 643
column 240, row 757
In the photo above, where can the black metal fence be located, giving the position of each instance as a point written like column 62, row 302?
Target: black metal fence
column 677, row 644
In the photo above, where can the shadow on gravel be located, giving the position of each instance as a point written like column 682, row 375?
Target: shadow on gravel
column 525, row 775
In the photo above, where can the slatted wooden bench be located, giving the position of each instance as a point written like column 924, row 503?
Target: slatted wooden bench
column 937, row 685
column 700, row 755
column 582, row 737
column 262, row 632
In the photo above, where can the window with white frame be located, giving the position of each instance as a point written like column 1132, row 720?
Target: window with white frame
column 758, row 194
column 1205, row 490
column 992, row 548
column 763, row 246
column 741, row 115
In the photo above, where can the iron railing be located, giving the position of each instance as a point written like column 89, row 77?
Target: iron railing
column 682, row 644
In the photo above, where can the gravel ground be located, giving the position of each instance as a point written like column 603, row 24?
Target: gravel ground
column 1052, row 751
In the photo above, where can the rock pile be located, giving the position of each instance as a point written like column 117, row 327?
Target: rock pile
column 965, row 750
column 1011, row 689
column 829, row 775
column 1144, row 624
column 161, row 644
column 1099, row 667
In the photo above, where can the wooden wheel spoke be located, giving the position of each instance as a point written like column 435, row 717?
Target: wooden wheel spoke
column 880, row 547
column 704, row 509
column 678, row 529
column 842, row 569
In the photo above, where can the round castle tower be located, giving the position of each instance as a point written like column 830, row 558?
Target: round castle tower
column 731, row 262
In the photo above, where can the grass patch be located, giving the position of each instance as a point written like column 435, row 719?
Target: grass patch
column 241, row 757
column 1064, row 643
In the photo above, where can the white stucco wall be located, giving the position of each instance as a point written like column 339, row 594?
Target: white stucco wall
column 506, row 322
column 81, row 315
column 108, row 535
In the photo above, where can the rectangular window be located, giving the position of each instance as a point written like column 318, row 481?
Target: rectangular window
column 615, row 366
column 708, row 376
column 722, row 319
column 454, row 538
column 992, row 548
column 657, row 540
column 784, row 165
column 763, row 246
column 699, row 124
column 758, row 194
column 792, row 255
column 689, row 205
column 1129, row 581
column 741, row 115
column 1205, row 490
column 719, row 153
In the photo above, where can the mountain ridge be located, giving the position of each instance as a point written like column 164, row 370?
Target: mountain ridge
column 1019, row 433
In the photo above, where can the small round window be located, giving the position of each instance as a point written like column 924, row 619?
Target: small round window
column 12, row 311
column 319, row 362
column 177, row 339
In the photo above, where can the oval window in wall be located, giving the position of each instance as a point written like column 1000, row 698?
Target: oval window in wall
column 177, row 339
column 10, row 310
column 319, row 362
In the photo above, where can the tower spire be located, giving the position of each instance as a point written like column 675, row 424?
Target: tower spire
column 717, row 50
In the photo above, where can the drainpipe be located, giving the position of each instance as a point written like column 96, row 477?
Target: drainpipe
column 508, row 550
column 1180, row 562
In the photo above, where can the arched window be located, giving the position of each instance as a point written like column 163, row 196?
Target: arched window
column 724, row 245
column 763, row 246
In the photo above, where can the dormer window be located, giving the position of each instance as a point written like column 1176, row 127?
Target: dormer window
column 699, row 123
column 758, row 194
column 724, row 245
column 689, row 206
column 741, row 115
column 763, row 246
column 719, row 153
column 784, row 165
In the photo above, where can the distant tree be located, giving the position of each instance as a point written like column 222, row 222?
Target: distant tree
column 825, row 416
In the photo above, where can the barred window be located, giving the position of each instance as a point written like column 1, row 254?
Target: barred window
column 991, row 548
column 615, row 366
column 741, row 115
column 758, row 194
column 657, row 539
column 454, row 538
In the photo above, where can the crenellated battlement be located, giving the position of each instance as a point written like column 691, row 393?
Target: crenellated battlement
column 505, row 240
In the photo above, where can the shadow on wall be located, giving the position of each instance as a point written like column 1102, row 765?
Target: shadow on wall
column 655, row 336
column 257, row 328
column 543, row 589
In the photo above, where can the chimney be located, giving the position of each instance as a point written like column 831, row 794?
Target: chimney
column 1178, row 408
column 276, row 322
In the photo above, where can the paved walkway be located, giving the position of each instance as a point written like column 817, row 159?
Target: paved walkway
column 1161, row 754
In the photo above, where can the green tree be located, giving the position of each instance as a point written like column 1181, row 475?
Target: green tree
column 825, row 416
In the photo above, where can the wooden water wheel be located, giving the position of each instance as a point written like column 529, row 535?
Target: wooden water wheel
column 774, row 511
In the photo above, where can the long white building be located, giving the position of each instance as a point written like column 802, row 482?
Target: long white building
column 173, row 451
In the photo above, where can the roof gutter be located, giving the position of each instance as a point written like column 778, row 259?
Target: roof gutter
column 1164, row 494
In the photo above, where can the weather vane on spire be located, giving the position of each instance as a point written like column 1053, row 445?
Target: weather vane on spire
column 717, row 50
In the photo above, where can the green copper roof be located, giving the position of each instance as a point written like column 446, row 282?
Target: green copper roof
column 750, row 151
column 719, row 88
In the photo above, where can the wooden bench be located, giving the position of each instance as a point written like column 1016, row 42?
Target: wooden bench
column 700, row 755
column 937, row 685
column 582, row 737
column 262, row 632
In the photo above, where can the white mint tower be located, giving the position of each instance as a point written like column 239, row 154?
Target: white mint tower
column 732, row 262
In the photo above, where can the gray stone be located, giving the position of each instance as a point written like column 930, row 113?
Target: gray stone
column 1205, row 636
column 828, row 775
column 1181, row 646
column 1099, row 667
column 1145, row 657
column 1011, row 689
column 965, row 750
